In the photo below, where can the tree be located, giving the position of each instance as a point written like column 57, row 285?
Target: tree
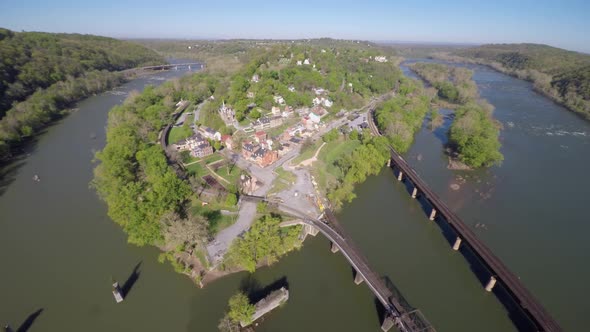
column 190, row 232
column 255, row 114
column 331, row 135
column 240, row 309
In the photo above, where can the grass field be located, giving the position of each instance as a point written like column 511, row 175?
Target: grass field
column 212, row 211
column 282, row 181
column 307, row 153
column 324, row 170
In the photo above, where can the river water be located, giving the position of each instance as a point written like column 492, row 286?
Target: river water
column 59, row 249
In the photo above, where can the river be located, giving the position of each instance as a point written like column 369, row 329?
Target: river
column 59, row 249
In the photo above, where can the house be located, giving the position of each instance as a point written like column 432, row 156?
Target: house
column 202, row 150
column 227, row 141
column 189, row 143
column 315, row 118
column 319, row 91
column 319, row 111
column 275, row 110
column 307, row 123
column 317, row 101
column 255, row 78
column 248, row 149
column 381, row 58
column 210, row 133
column 306, row 62
column 279, row 100
column 264, row 157
column 299, row 63
column 260, row 136
column 288, row 112
column 295, row 140
column 291, row 88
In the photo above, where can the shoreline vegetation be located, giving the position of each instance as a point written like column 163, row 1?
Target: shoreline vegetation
column 44, row 74
column 473, row 136
column 562, row 76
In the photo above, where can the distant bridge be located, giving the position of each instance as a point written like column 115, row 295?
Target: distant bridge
column 167, row 66
column 396, row 314
column 190, row 65
column 530, row 306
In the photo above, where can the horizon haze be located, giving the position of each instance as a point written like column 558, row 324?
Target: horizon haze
column 424, row 21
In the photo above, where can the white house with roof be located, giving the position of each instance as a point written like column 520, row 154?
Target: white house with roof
column 210, row 133
column 317, row 101
column 381, row 58
column 306, row 62
column 279, row 100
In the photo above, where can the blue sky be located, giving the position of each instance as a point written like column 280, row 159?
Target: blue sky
column 562, row 23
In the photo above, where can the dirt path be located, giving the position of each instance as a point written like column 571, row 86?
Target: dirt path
column 310, row 161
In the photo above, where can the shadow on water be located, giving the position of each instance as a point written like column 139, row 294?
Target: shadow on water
column 252, row 287
column 131, row 280
column 26, row 325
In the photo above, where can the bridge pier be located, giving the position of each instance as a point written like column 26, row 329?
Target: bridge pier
column 415, row 192
column 400, row 175
column 389, row 162
column 358, row 278
column 334, row 248
column 387, row 323
column 309, row 229
column 457, row 244
column 491, row 284
column 432, row 214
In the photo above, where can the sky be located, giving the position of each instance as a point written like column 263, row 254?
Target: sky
column 560, row 23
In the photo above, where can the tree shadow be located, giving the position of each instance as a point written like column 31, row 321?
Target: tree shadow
column 254, row 290
column 26, row 325
column 131, row 280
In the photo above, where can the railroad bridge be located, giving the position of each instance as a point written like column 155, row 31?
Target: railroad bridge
column 396, row 314
column 536, row 318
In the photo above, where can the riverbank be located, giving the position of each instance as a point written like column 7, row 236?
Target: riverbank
column 538, row 79
column 474, row 133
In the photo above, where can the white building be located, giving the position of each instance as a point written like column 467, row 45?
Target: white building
column 317, row 101
column 381, row 58
column 306, row 62
column 279, row 100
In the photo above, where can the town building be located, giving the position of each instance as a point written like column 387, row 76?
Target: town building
column 381, row 58
column 210, row 133
column 260, row 136
column 202, row 150
column 227, row 114
column 255, row 78
column 248, row 149
column 227, row 141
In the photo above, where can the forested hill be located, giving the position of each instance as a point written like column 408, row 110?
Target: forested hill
column 562, row 75
column 35, row 60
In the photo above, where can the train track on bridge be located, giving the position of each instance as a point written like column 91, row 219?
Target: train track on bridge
column 530, row 306
column 404, row 320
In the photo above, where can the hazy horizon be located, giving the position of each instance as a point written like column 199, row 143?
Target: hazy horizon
column 560, row 24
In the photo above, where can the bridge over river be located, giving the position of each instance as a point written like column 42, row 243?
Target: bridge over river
column 395, row 313
column 513, row 293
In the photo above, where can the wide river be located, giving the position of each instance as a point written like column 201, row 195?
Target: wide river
column 59, row 250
